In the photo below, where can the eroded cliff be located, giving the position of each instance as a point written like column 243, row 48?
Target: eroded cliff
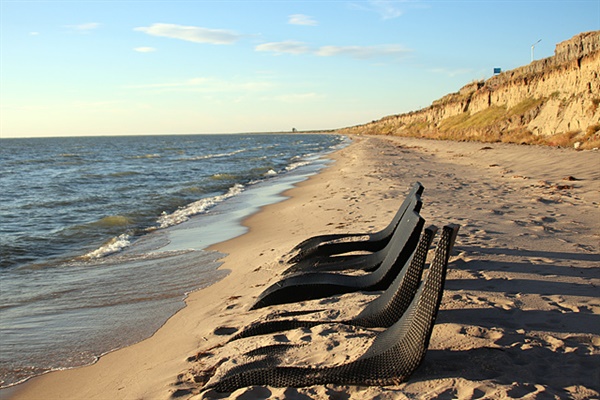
column 553, row 101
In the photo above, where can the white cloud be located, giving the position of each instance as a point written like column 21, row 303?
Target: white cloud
column 358, row 52
column 34, row 33
column 386, row 8
column 301, row 19
column 289, row 46
column 191, row 33
column 363, row 52
column 144, row 49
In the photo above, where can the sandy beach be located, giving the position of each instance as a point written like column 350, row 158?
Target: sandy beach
column 520, row 316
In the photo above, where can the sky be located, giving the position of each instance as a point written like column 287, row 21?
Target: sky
column 123, row 67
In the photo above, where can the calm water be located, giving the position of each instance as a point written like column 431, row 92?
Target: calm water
column 95, row 249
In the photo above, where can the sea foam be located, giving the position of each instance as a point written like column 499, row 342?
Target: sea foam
column 197, row 207
column 114, row 245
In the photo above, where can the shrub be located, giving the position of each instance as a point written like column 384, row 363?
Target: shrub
column 565, row 139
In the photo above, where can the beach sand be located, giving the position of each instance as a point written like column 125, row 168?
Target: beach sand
column 520, row 316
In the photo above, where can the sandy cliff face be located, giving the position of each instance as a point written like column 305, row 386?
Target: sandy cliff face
column 554, row 101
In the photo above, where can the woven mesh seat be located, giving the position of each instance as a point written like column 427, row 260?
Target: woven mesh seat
column 391, row 359
column 365, row 262
column 317, row 285
column 327, row 245
column 382, row 312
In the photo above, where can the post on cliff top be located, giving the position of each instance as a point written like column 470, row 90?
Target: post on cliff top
column 533, row 47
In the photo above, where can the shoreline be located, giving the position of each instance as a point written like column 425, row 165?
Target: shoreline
column 268, row 197
column 512, row 213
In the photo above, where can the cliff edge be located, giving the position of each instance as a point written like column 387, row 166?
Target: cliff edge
column 553, row 101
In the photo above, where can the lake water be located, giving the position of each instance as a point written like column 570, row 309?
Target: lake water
column 103, row 237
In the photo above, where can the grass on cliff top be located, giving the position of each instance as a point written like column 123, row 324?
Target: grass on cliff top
column 481, row 119
column 524, row 106
column 487, row 117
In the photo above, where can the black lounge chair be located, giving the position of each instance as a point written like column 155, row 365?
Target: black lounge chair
column 326, row 245
column 316, row 285
column 365, row 262
column 392, row 358
column 382, row 312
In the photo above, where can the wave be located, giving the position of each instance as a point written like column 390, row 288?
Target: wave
column 146, row 156
column 123, row 173
column 114, row 245
column 119, row 243
column 184, row 213
column 215, row 155
column 223, row 176
column 295, row 165
column 113, row 220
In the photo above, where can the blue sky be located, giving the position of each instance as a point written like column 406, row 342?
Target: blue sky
column 72, row 68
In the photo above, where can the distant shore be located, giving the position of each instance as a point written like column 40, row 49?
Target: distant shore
column 521, row 293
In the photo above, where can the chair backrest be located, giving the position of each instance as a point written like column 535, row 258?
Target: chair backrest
column 377, row 258
column 415, row 193
column 387, row 309
column 402, row 244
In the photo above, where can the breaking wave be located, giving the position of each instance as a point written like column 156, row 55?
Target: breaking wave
column 197, row 207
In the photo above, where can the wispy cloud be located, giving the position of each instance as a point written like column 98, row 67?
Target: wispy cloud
column 84, row 28
column 387, row 9
column 191, row 33
column 358, row 52
column 301, row 19
column 290, row 47
column 144, row 49
column 363, row 52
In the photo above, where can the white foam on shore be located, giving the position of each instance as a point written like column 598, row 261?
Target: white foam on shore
column 114, row 245
column 197, row 207
column 295, row 165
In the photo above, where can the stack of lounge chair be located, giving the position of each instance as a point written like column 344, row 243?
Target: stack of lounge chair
column 392, row 262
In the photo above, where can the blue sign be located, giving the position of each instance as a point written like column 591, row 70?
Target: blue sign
column 497, row 70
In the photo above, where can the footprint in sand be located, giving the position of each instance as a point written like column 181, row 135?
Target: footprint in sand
column 232, row 302
column 483, row 333
column 541, row 261
column 560, row 302
column 505, row 303
column 469, row 299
